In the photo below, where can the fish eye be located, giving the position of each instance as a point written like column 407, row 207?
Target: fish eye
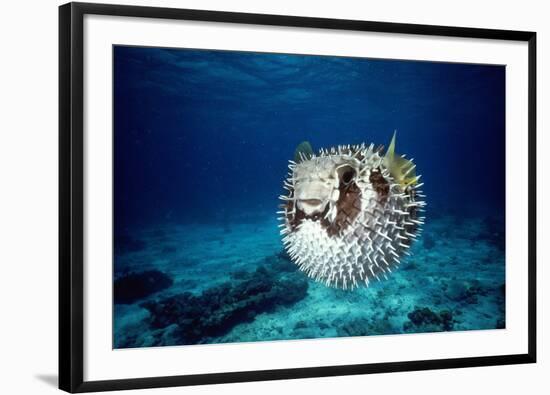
column 346, row 174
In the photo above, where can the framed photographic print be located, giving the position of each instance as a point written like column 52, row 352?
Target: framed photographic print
column 259, row 197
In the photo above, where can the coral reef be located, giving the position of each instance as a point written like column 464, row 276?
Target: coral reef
column 424, row 318
column 134, row 286
column 217, row 310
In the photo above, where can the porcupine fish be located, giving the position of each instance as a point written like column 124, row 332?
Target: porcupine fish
column 351, row 213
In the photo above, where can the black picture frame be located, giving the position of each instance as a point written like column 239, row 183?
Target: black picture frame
column 71, row 195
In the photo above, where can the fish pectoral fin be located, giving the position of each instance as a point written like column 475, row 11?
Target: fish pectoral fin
column 303, row 152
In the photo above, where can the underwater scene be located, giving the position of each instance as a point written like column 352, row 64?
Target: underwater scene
column 263, row 197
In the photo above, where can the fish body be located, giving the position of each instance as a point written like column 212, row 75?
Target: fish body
column 350, row 213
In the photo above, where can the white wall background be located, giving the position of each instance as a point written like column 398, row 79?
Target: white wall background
column 28, row 195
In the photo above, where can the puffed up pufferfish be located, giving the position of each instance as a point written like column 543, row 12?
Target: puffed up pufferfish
column 351, row 212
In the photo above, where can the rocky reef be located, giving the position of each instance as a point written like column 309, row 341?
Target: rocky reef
column 423, row 319
column 199, row 318
column 135, row 286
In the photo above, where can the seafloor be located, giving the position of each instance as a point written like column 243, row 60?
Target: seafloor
column 214, row 283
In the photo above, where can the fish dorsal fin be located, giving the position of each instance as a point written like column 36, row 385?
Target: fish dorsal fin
column 401, row 169
column 303, row 152
column 390, row 153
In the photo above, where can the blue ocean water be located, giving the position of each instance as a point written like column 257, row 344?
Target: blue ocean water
column 202, row 140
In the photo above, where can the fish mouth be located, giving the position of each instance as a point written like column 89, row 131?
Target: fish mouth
column 311, row 206
column 312, row 202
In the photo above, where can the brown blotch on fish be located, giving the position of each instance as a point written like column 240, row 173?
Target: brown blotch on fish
column 348, row 208
column 380, row 184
